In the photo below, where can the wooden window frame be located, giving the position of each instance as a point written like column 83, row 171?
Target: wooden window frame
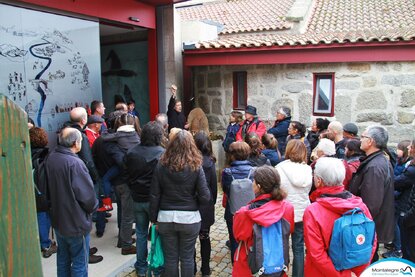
column 330, row 111
column 236, row 104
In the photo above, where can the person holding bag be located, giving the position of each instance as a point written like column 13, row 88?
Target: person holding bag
column 178, row 187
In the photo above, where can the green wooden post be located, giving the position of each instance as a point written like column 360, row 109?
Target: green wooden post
column 19, row 239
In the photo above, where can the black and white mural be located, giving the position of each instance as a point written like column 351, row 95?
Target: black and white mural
column 48, row 63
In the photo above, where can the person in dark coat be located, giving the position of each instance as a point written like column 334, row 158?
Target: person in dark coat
column 178, row 188
column 239, row 168
column 373, row 182
column 235, row 120
column 73, row 200
column 177, row 119
column 79, row 119
column 403, row 183
column 39, row 150
column 319, row 126
column 207, row 211
column 280, row 128
column 408, row 221
column 271, row 149
column 140, row 162
column 116, row 146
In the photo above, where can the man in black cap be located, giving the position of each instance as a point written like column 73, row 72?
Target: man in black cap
column 251, row 124
column 350, row 131
column 93, row 128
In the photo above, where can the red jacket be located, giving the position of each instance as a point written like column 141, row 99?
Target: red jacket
column 318, row 221
column 256, row 126
column 351, row 167
column 244, row 220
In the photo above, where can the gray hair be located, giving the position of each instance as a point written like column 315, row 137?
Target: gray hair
column 379, row 136
column 69, row 136
column 162, row 119
column 331, row 171
column 327, row 146
column 285, row 111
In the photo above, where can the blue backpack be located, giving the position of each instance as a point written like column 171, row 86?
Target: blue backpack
column 351, row 240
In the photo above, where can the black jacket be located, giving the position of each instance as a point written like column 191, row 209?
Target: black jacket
column 86, row 154
column 373, row 182
column 403, row 184
column 207, row 211
column 103, row 162
column 176, row 119
column 72, row 193
column 140, row 162
column 40, row 196
column 116, row 146
column 180, row 191
column 409, row 219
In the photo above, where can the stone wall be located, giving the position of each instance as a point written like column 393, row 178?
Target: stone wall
column 365, row 93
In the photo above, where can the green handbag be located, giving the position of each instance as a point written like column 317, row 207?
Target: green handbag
column 156, row 257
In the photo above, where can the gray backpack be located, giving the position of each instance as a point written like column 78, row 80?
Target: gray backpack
column 241, row 193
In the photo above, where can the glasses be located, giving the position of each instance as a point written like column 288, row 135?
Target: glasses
column 363, row 137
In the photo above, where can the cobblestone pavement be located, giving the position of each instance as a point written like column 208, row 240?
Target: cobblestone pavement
column 220, row 263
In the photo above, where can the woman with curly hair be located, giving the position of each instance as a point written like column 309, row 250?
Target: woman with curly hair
column 177, row 189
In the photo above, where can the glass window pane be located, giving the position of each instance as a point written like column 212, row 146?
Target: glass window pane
column 324, row 94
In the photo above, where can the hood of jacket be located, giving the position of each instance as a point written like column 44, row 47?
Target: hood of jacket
column 298, row 174
column 337, row 200
column 268, row 213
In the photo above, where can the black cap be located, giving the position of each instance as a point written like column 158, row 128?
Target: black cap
column 351, row 128
column 95, row 119
column 250, row 109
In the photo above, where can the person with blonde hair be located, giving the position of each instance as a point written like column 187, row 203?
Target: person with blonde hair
column 296, row 179
column 178, row 188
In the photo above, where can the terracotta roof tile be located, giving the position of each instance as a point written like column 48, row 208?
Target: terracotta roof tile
column 242, row 15
column 332, row 21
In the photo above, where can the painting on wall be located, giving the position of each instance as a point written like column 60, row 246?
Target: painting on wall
column 49, row 63
column 125, row 76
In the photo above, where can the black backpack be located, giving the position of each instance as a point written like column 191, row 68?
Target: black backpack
column 40, row 181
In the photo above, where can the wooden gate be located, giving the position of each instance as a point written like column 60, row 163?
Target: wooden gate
column 19, row 242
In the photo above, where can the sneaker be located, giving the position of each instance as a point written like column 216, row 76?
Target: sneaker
column 99, row 234
column 93, row 259
column 47, row 252
column 129, row 251
column 107, row 203
column 389, row 246
column 228, row 244
column 393, row 254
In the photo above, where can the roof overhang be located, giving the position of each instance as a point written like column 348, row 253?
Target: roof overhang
column 162, row 2
column 347, row 52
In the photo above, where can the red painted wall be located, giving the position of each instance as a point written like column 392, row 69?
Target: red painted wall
column 115, row 10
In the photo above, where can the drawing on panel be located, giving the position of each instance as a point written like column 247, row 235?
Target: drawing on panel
column 46, row 72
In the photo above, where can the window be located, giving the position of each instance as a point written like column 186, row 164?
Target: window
column 239, row 90
column 323, row 94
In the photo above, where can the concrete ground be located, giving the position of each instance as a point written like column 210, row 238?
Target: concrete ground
column 113, row 264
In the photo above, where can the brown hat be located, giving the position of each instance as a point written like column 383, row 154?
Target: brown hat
column 95, row 119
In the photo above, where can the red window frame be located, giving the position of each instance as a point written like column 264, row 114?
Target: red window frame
column 330, row 110
column 237, row 91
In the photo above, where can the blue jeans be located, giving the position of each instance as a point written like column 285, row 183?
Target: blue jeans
column 73, row 254
column 106, row 179
column 297, row 239
column 43, row 221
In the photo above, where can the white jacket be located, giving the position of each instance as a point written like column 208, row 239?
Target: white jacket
column 296, row 180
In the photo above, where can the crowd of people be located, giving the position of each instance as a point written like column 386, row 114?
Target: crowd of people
column 160, row 173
